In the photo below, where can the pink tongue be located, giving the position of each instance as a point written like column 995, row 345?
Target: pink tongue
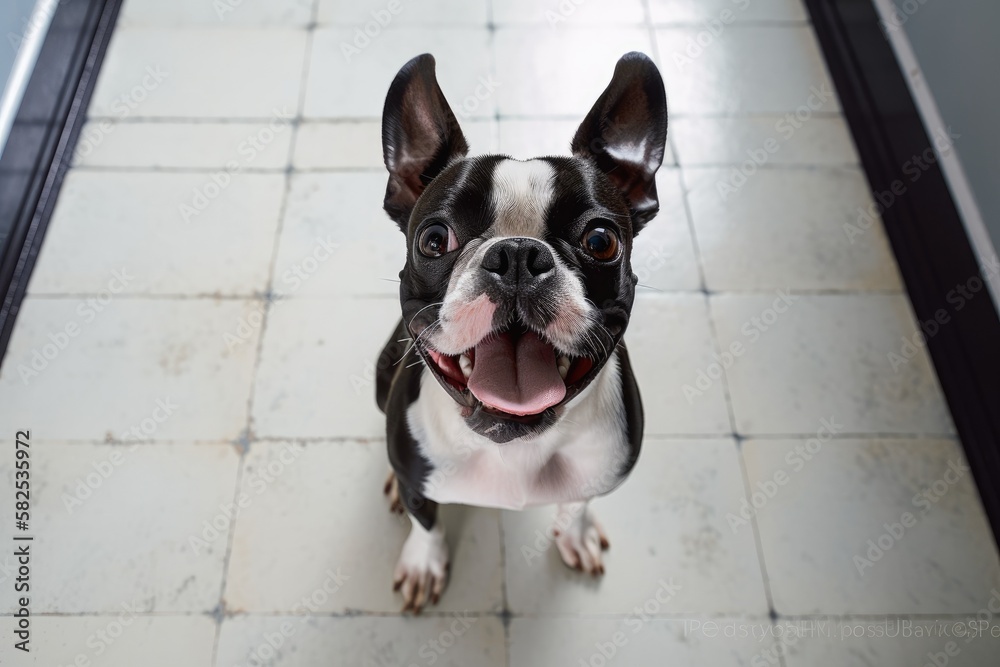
column 520, row 378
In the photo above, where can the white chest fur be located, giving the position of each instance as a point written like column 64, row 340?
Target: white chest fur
column 580, row 457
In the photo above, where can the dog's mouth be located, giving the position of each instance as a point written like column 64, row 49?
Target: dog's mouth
column 513, row 373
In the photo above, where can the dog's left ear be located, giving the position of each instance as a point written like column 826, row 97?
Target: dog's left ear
column 420, row 136
column 625, row 134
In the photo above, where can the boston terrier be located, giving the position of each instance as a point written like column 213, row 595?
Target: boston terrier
column 506, row 383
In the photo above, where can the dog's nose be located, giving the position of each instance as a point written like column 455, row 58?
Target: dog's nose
column 519, row 262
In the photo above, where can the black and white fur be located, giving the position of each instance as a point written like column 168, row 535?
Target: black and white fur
column 514, row 255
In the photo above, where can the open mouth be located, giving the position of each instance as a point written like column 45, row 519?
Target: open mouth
column 512, row 372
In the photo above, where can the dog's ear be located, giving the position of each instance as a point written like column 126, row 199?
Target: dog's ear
column 420, row 136
column 625, row 134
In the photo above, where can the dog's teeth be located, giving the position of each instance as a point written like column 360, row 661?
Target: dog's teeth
column 563, row 365
column 466, row 365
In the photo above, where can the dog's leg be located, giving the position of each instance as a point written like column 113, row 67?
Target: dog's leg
column 422, row 570
column 580, row 538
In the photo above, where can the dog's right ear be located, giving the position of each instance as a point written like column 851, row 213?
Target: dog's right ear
column 420, row 136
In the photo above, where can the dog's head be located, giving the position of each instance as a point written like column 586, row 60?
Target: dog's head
column 518, row 285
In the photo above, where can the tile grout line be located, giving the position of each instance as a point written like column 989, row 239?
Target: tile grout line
column 654, row 44
column 247, row 436
column 716, row 345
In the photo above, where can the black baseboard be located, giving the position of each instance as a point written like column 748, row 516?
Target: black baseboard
column 924, row 227
column 42, row 139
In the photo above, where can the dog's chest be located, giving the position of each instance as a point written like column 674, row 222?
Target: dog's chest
column 582, row 456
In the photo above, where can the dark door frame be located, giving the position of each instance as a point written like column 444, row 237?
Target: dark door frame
column 43, row 136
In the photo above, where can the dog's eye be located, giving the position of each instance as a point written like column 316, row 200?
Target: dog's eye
column 436, row 239
column 600, row 243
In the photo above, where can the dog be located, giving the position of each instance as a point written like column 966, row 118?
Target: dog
column 506, row 383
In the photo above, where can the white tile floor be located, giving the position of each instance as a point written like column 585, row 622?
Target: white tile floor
column 219, row 249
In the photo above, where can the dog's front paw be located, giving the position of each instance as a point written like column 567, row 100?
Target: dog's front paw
column 580, row 538
column 422, row 570
column 391, row 491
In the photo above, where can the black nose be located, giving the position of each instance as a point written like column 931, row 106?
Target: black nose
column 519, row 262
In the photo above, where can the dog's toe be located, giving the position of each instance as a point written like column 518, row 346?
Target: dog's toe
column 581, row 542
column 391, row 491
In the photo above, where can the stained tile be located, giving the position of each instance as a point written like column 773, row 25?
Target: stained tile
column 452, row 640
column 317, row 512
column 744, row 69
column 788, row 228
column 132, row 516
column 870, row 527
column 101, row 367
column 802, row 358
column 670, row 542
column 349, row 76
column 200, row 72
column 169, row 233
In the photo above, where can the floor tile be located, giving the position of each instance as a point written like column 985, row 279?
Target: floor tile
column 637, row 641
column 871, row 527
column 337, row 65
column 317, row 368
column 116, row 641
column 317, row 512
column 774, row 140
column 525, row 138
column 785, row 228
column 569, row 69
column 744, row 69
column 201, row 72
column 212, row 145
column 337, row 240
column 451, row 640
column 669, row 538
column 936, row 646
column 358, row 144
column 371, row 15
column 127, row 513
column 663, row 255
column 237, row 13
column 670, row 342
column 826, row 356
column 714, row 11
column 164, row 232
column 102, row 367
column 570, row 14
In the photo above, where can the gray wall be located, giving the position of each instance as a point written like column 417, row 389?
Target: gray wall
column 957, row 43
